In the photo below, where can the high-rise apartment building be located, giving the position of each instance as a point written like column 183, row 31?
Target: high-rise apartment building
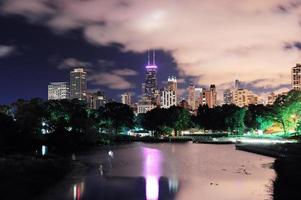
column 210, row 97
column 168, row 95
column 126, row 98
column 228, row 98
column 172, row 83
column 244, row 97
column 198, row 97
column 58, row 90
column 296, row 77
column 78, row 84
column 168, row 98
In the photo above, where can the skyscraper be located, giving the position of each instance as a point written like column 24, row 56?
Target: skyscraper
column 78, row 84
column 237, row 85
column 296, row 77
column 210, row 96
column 191, row 96
column 172, row 83
column 198, row 97
column 151, row 78
column 58, row 90
column 126, row 98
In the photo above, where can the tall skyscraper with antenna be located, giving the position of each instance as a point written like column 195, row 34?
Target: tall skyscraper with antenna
column 150, row 84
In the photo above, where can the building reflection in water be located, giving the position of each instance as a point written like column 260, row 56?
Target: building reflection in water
column 152, row 186
column 152, row 172
column 78, row 190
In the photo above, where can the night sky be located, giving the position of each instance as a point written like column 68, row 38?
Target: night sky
column 41, row 56
column 205, row 42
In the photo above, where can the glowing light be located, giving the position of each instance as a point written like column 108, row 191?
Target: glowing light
column 151, row 67
column 152, row 172
column 260, row 140
column 260, row 132
column 44, row 150
column 78, row 190
column 152, row 188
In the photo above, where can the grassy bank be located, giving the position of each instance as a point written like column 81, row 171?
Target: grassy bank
column 287, row 182
column 26, row 176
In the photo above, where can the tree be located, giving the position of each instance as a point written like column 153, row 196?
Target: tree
column 179, row 119
column 255, row 116
column 29, row 115
column 157, row 120
column 286, row 110
column 235, row 122
column 119, row 115
column 9, row 132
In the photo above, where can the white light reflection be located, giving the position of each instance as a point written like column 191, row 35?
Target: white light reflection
column 152, row 172
column 44, row 150
column 78, row 190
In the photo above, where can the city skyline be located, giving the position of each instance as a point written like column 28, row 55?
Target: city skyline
column 40, row 45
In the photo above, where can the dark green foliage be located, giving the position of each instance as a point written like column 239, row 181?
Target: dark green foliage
column 255, row 116
column 69, row 122
column 163, row 121
column 118, row 115
column 220, row 118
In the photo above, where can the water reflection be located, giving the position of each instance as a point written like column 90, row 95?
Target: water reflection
column 152, row 172
column 78, row 190
column 157, row 187
column 42, row 151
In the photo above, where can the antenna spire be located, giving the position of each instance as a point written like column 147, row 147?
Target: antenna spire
column 148, row 57
column 154, row 57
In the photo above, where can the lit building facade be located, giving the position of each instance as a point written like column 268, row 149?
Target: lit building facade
column 228, row 98
column 244, row 97
column 198, row 97
column 271, row 98
column 58, row 90
column 144, row 105
column 209, row 97
column 78, row 84
column 96, row 100
column 296, row 77
column 168, row 98
column 126, row 98
column 168, row 95
column 191, row 96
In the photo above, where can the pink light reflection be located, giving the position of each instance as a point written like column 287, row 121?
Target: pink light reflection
column 152, row 172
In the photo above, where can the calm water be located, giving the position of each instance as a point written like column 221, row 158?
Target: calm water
column 169, row 171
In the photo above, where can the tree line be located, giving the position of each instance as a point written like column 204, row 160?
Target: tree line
column 70, row 122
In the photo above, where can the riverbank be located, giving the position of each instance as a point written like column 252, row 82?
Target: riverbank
column 24, row 176
column 287, row 167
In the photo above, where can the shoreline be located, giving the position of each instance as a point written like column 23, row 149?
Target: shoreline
column 287, row 167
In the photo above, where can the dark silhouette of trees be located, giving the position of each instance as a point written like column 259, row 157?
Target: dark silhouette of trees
column 255, row 115
column 179, row 119
column 117, row 116
column 163, row 121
